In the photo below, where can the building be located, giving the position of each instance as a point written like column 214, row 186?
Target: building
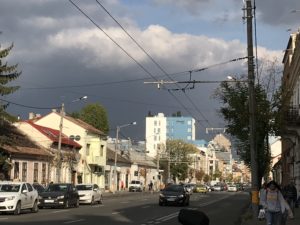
column 93, row 141
column 64, row 166
column 25, row 160
column 290, row 135
column 160, row 128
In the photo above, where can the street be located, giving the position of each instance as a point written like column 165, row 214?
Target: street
column 138, row 208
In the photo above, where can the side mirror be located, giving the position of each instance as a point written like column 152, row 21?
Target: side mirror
column 95, row 189
column 24, row 191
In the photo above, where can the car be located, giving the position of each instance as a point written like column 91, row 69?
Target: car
column 16, row 196
column 59, row 195
column 217, row 187
column 174, row 194
column 232, row 187
column 189, row 187
column 89, row 194
column 39, row 188
column 200, row 188
column 135, row 185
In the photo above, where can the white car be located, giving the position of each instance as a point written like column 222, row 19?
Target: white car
column 89, row 193
column 232, row 188
column 16, row 196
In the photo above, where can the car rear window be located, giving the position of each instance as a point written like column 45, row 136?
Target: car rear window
column 84, row 187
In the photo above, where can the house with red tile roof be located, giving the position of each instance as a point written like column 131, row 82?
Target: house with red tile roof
column 93, row 141
column 65, row 161
column 24, row 159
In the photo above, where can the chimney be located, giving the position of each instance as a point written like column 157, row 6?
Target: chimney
column 31, row 115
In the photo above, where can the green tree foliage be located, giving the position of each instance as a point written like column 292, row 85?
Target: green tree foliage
column 7, row 73
column 179, row 158
column 235, row 110
column 95, row 115
column 206, row 178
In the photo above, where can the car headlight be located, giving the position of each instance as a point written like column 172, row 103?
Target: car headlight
column 180, row 196
column 9, row 198
column 61, row 197
column 161, row 195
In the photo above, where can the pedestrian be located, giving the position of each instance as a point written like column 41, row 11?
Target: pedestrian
column 274, row 204
column 150, row 185
column 290, row 195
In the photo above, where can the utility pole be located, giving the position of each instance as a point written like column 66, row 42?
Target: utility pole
column 252, row 110
column 58, row 170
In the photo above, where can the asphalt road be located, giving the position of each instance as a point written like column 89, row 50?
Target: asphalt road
column 222, row 208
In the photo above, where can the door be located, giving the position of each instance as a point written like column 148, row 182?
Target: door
column 31, row 195
column 97, row 192
column 24, row 197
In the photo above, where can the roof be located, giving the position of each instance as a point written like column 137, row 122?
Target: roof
column 53, row 135
column 84, row 125
column 110, row 156
column 25, row 150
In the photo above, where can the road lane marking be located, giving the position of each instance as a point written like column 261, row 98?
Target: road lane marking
column 74, row 221
column 60, row 211
column 114, row 213
column 97, row 206
column 145, row 207
column 124, row 202
column 4, row 218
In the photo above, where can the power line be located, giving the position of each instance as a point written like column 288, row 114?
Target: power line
column 158, row 65
column 27, row 106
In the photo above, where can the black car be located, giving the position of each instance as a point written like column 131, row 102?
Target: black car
column 59, row 195
column 40, row 188
column 174, row 194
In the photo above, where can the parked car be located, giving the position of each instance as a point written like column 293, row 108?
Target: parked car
column 200, row 188
column 189, row 187
column 135, row 185
column 232, row 187
column 16, row 196
column 174, row 194
column 39, row 188
column 217, row 187
column 89, row 193
column 59, row 195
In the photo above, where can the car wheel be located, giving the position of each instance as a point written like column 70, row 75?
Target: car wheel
column 100, row 200
column 35, row 207
column 18, row 209
column 77, row 203
column 187, row 203
column 160, row 203
column 66, row 205
column 93, row 201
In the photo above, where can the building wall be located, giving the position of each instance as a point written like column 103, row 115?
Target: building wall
column 52, row 120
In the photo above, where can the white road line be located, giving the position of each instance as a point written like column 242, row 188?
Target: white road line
column 4, row 218
column 114, row 213
column 60, row 211
column 97, row 206
column 73, row 221
column 145, row 207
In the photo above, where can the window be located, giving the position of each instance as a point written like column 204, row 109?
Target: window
column 16, row 170
column 189, row 137
column 23, row 188
column 101, row 150
column 88, row 149
column 24, row 171
column 155, row 123
column 35, row 172
column 189, row 130
column 158, row 130
column 44, row 173
column 189, row 122
column 29, row 187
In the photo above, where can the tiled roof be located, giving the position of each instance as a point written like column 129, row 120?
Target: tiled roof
column 110, row 156
column 53, row 135
column 84, row 125
column 25, row 150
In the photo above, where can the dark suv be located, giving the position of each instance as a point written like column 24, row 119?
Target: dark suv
column 59, row 195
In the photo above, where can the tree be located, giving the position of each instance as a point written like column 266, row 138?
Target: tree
column 178, row 152
column 206, row 178
column 235, row 110
column 7, row 73
column 200, row 174
column 95, row 115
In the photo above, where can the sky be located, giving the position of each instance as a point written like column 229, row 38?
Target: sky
column 64, row 56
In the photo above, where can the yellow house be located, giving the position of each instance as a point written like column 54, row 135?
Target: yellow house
column 93, row 142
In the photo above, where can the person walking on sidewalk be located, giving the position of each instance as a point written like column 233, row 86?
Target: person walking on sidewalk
column 290, row 195
column 274, row 204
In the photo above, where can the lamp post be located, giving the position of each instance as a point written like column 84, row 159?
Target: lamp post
column 62, row 113
column 116, row 152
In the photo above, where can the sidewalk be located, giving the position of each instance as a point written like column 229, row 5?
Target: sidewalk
column 247, row 220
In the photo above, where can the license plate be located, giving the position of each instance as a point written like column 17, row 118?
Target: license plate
column 49, row 201
column 171, row 199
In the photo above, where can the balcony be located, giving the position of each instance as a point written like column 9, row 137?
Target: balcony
column 292, row 116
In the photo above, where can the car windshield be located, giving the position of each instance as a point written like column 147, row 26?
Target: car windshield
column 175, row 188
column 135, row 182
column 84, row 187
column 57, row 187
column 9, row 187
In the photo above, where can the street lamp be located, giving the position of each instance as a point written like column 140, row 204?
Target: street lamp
column 62, row 112
column 116, row 152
